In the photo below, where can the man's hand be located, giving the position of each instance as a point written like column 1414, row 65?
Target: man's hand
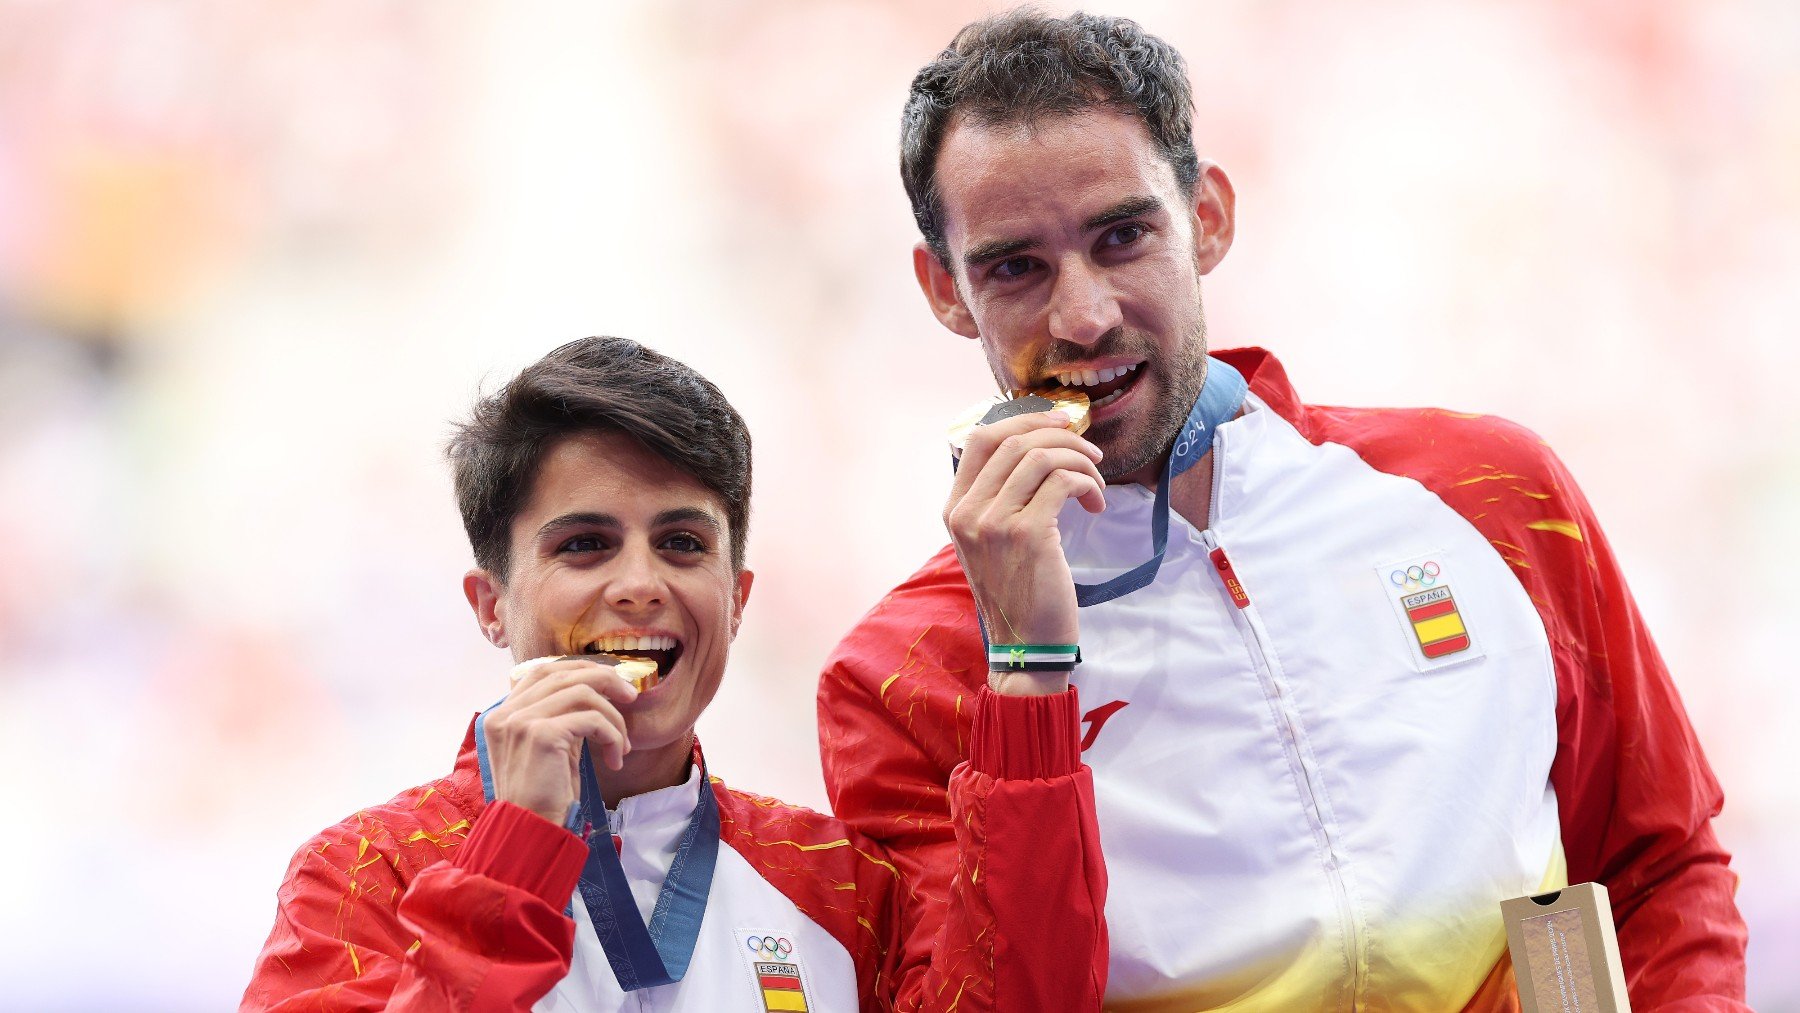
column 534, row 737
column 1014, row 478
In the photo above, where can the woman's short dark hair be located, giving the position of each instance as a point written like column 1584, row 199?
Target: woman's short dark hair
column 595, row 385
column 1023, row 65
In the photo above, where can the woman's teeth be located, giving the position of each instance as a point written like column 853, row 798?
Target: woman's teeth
column 624, row 643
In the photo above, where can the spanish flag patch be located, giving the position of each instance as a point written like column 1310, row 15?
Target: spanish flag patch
column 781, row 989
column 1436, row 622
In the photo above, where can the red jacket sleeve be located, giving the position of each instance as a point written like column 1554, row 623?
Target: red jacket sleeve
column 484, row 930
column 1001, row 892
column 1636, row 795
column 1029, row 892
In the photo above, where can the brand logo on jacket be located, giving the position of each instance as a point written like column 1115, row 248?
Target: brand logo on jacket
column 777, row 971
column 1096, row 720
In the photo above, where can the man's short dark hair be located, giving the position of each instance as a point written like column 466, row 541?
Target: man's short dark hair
column 1023, row 65
column 595, row 385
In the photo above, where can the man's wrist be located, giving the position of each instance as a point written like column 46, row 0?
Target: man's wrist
column 1019, row 683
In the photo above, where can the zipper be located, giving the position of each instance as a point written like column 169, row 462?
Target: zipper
column 615, row 826
column 1255, row 637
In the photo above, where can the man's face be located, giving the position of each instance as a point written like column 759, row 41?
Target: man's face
column 618, row 550
column 1076, row 259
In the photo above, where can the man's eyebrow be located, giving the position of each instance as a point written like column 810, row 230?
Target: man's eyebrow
column 1130, row 207
column 584, row 519
column 999, row 249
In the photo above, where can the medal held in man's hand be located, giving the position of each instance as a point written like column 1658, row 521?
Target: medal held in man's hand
column 1072, row 403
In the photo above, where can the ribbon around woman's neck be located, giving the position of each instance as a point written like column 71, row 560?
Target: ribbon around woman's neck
column 642, row 956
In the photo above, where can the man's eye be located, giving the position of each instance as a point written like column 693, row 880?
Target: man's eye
column 1012, row 267
column 684, row 542
column 1125, row 235
column 582, row 543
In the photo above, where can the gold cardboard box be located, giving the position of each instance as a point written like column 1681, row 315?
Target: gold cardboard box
column 1565, row 954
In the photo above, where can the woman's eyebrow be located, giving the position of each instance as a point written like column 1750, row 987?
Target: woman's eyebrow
column 687, row 515
column 581, row 519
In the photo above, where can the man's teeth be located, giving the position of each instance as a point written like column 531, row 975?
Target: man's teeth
column 1094, row 377
column 1108, row 399
column 620, row 643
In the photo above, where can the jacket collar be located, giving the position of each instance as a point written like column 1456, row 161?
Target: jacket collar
column 1268, row 379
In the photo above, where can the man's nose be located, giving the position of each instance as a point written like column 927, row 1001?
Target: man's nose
column 1082, row 305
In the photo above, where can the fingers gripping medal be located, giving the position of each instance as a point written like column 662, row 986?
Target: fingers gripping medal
column 1072, row 403
column 642, row 673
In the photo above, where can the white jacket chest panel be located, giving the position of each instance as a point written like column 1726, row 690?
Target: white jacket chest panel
column 721, row 977
column 1295, row 814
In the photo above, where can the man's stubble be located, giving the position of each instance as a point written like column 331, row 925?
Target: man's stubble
column 1155, row 425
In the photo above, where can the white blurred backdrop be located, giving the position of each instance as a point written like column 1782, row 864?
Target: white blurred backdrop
column 254, row 258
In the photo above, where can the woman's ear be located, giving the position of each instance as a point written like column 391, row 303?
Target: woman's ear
column 487, row 598
column 739, row 596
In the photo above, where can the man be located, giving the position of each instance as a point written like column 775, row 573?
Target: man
column 606, row 495
column 1356, row 676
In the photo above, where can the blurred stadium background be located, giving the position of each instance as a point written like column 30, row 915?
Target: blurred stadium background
column 253, row 258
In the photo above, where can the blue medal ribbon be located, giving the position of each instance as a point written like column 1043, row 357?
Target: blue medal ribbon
column 1221, row 396
column 642, row 956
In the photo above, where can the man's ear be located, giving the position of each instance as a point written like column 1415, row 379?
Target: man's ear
column 485, row 598
column 939, row 286
column 1215, row 217
column 739, row 596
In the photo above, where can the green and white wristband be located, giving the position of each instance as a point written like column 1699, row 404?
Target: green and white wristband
column 1033, row 657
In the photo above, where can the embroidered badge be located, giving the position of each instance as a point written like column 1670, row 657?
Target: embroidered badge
column 777, row 971
column 1420, row 590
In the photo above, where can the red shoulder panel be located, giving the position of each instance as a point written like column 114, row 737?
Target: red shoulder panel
column 830, row 872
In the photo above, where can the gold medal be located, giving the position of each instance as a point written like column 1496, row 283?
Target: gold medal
column 1067, row 400
column 642, row 673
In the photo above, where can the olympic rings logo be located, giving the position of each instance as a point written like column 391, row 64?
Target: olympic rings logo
column 769, row 947
column 1416, row 576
